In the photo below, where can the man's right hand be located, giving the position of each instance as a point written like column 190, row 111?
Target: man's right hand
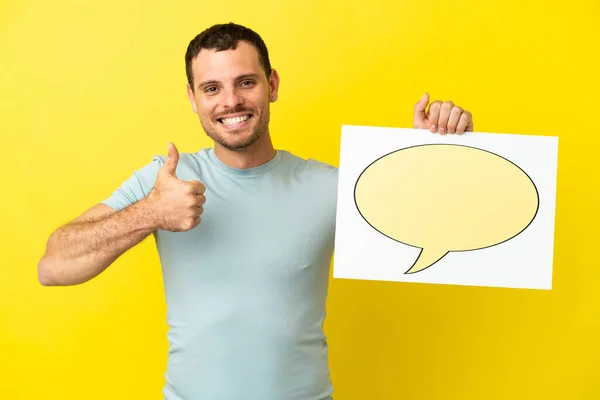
column 176, row 204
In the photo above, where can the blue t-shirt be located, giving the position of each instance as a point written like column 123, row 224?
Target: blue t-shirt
column 246, row 289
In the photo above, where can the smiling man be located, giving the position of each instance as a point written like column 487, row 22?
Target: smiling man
column 244, row 232
column 230, row 92
column 230, row 86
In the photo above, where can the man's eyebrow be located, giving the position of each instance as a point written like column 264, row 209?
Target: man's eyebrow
column 206, row 83
column 239, row 78
column 247, row 76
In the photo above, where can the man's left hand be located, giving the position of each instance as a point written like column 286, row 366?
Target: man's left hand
column 442, row 117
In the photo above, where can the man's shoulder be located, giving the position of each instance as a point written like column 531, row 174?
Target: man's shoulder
column 309, row 165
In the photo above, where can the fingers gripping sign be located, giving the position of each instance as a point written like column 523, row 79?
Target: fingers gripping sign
column 442, row 117
column 178, row 204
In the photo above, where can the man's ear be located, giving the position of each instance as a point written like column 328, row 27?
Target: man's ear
column 273, row 86
column 192, row 98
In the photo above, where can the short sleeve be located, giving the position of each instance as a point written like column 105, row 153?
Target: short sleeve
column 136, row 187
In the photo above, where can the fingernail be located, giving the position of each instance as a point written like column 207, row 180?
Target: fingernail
column 433, row 128
column 442, row 131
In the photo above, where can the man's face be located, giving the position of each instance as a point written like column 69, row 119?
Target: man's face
column 232, row 95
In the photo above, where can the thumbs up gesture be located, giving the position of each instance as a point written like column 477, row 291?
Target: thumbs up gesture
column 176, row 204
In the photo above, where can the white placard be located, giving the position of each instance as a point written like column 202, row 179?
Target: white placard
column 474, row 209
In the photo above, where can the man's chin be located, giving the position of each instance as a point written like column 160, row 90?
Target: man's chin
column 238, row 143
column 234, row 140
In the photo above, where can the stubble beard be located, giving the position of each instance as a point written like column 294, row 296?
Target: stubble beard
column 238, row 144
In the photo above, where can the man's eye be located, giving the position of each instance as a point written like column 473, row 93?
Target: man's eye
column 247, row 83
column 210, row 89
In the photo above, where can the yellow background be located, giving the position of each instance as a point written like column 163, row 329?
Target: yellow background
column 91, row 90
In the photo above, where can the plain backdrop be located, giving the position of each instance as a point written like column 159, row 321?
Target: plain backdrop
column 91, row 90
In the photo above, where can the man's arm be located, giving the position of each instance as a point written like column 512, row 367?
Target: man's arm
column 82, row 249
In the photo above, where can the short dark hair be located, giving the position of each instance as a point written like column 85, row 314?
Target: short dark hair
column 225, row 37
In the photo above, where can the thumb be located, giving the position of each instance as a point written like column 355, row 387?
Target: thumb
column 172, row 159
column 420, row 107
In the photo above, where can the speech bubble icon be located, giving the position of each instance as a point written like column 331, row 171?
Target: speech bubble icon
column 445, row 197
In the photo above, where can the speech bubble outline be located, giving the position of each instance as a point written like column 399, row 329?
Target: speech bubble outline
column 432, row 257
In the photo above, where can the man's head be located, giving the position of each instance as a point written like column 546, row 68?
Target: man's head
column 230, row 84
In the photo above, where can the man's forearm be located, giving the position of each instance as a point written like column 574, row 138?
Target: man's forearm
column 79, row 251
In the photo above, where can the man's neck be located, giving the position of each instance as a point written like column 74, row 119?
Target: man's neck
column 259, row 153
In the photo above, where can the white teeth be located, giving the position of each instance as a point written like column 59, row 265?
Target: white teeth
column 236, row 120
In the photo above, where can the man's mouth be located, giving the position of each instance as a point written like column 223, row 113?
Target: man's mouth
column 232, row 121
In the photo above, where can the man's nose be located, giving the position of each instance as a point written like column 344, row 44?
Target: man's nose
column 233, row 99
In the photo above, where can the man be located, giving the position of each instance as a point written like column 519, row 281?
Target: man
column 245, row 235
